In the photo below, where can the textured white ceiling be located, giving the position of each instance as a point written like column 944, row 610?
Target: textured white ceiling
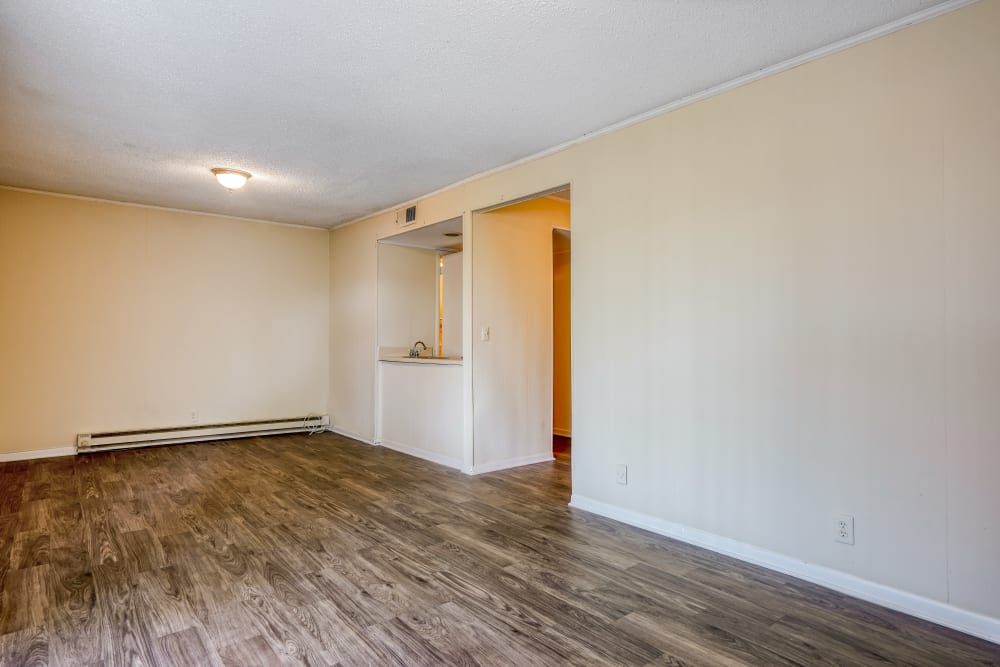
column 344, row 108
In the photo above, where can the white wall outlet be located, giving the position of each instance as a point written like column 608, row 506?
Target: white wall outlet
column 484, row 334
column 621, row 473
column 194, row 416
column 844, row 529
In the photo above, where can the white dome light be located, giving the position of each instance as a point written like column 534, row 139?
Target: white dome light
column 232, row 179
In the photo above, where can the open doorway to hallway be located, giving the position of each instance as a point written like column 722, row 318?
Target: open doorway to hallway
column 520, row 331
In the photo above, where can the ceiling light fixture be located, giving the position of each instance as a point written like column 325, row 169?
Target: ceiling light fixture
column 233, row 179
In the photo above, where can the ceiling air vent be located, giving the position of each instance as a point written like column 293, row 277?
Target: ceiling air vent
column 406, row 216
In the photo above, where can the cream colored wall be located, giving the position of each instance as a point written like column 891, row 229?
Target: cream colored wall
column 421, row 411
column 407, row 296
column 784, row 306
column 451, row 325
column 120, row 317
column 512, row 295
column 353, row 329
column 562, row 367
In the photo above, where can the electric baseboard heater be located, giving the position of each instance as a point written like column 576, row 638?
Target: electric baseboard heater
column 101, row 442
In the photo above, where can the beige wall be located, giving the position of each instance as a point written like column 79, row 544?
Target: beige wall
column 119, row 317
column 451, row 324
column 353, row 330
column 562, row 367
column 512, row 295
column 407, row 297
column 421, row 411
column 784, row 306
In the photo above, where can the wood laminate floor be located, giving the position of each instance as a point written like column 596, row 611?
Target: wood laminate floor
column 320, row 550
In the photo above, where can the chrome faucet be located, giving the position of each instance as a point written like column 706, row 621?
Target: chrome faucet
column 414, row 352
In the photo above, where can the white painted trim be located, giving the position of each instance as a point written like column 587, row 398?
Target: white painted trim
column 427, row 455
column 564, row 432
column 163, row 208
column 915, row 605
column 352, row 435
column 510, row 463
column 37, row 454
column 816, row 54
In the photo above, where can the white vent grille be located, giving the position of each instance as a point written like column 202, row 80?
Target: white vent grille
column 97, row 442
column 406, row 216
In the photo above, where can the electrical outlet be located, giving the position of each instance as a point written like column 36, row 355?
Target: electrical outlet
column 621, row 473
column 844, row 529
column 194, row 416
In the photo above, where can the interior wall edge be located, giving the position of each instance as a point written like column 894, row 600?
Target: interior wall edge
column 448, row 461
column 116, row 202
column 353, row 436
column 8, row 457
column 978, row 625
column 510, row 463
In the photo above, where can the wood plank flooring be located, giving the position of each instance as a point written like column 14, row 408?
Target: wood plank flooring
column 318, row 550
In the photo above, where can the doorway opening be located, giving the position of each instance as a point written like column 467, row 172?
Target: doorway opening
column 419, row 376
column 520, row 349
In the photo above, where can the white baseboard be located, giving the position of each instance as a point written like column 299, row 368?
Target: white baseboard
column 37, row 454
column 350, row 434
column 915, row 605
column 510, row 463
column 427, row 455
column 564, row 432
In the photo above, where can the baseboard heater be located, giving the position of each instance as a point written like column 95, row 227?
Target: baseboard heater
column 101, row 442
